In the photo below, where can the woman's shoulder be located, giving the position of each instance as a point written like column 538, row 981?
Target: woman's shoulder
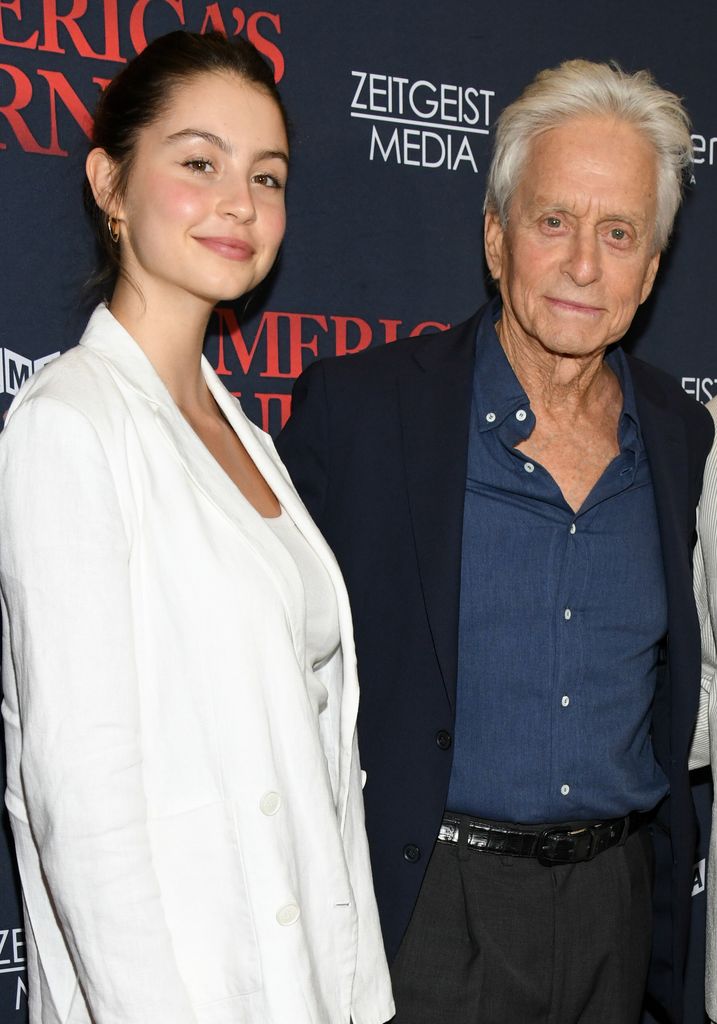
column 77, row 381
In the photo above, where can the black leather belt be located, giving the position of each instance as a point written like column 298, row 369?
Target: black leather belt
column 551, row 844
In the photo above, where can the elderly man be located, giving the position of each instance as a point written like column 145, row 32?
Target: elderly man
column 513, row 506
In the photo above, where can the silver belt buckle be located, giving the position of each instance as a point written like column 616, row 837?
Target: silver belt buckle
column 449, row 831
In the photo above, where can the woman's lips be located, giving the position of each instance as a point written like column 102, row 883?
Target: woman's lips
column 229, row 248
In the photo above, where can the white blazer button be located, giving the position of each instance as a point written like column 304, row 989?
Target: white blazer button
column 288, row 914
column 363, row 778
column 270, row 803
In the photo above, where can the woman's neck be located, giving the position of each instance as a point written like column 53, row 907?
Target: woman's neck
column 170, row 331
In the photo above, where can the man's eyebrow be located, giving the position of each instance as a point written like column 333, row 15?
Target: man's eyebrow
column 197, row 133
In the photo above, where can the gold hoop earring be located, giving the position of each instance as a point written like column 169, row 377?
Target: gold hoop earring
column 113, row 228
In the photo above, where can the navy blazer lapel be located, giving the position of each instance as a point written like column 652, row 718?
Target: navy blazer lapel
column 435, row 396
column 664, row 435
column 665, row 440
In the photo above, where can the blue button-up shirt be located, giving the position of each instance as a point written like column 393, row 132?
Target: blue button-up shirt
column 561, row 616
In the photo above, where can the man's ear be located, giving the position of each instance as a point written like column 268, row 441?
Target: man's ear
column 493, row 236
column 100, row 169
column 649, row 279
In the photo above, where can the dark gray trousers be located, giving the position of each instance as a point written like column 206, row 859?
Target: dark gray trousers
column 505, row 940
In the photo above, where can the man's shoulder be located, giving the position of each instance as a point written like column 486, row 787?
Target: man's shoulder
column 661, row 387
column 425, row 350
column 665, row 393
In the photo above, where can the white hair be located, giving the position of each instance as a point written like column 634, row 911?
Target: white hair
column 581, row 88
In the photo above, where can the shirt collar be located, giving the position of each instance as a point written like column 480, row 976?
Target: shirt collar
column 496, row 390
column 498, row 393
column 629, row 434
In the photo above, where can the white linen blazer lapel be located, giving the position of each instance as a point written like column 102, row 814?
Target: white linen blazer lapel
column 261, row 449
column 106, row 337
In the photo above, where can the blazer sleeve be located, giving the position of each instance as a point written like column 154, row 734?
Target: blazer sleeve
column 65, row 578
column 303, row 443
column 705, row 569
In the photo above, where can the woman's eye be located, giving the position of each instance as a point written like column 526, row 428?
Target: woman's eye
column 267, row 179
column 200, row 165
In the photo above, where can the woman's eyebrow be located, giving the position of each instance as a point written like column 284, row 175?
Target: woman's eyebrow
column 224, row 145
column 198, row 133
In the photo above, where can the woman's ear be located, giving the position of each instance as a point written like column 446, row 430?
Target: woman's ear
column 100, row 170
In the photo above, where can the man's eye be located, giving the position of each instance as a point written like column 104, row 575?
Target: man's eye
column 553, row 222
column 619, row 234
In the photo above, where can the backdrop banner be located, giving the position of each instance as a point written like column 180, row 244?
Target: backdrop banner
column 393, row 106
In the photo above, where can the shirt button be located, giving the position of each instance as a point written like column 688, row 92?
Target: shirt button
column 572, row 527
column 490, row 417
column 444, row 739
column 567, row 614
column 528, row 467
column 270, row 803
column 521, row 414
column 565, row 789
column 411, row 853
column 288, row 915
column 565, row 701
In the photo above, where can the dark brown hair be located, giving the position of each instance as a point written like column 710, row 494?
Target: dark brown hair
column 138, row 95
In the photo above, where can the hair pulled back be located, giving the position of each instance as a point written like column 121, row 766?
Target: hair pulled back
column 140, row 93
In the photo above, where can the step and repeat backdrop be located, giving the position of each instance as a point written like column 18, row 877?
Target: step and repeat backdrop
column 393, row 106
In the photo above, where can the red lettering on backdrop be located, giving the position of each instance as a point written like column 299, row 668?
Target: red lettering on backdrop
column 11, row 111
column 296, row 343
column 52, row 20
column 270, row 50
column 269, row 327
column 229, row 321
column 281, row 335
column 213, row 20
column 342, row 331
column 14, row 7
column 136, row 20
column 60, row 87
column 350, row 334
column 428, row 325
column 265, row 402
column 390, row 329
column 62, row 26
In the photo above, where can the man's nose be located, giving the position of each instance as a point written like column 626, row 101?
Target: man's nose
column 582, row 259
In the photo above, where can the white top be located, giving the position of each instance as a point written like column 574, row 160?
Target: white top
column 322, row 614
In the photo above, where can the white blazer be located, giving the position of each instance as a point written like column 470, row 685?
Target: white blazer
column 704, row 743
column 191, row 846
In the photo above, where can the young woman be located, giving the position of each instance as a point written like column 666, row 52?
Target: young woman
column 178, row 664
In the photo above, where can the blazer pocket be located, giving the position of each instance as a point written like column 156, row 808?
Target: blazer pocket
column 204, row 893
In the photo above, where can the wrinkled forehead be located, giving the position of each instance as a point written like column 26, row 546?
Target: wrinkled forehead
column 592, row 161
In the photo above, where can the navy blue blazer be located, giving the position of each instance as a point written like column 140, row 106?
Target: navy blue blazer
column 377, row 447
